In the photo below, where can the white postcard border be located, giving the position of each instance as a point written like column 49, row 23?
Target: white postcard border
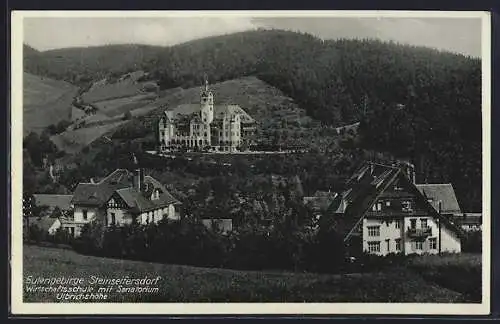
column 18, row 307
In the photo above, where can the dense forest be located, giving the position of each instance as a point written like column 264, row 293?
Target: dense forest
column 413, row 102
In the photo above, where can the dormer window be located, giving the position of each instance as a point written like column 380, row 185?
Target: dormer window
column 406, row 206
column 155, row 195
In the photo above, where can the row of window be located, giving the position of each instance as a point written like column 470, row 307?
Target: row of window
column 374, row 246
column 406, row 205
column 232, row 134
column 375, row 230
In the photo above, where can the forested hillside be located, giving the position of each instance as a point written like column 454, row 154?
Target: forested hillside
column 413, row 102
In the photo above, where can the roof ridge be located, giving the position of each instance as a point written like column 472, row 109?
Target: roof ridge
column 128, row 188
column 434, row 184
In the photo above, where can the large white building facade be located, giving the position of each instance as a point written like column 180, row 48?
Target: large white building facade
column 205, row 126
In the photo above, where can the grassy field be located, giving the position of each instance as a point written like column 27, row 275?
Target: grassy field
column 191, row 284
column 77, row 114
column 103, row 90
column 45, row 102
column 73, row 141
column 119, row 106
column 457, row 272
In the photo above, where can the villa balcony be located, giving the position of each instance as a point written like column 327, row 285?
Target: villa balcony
column 419, row 232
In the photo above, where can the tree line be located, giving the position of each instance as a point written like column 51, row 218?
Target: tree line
column 413, row 102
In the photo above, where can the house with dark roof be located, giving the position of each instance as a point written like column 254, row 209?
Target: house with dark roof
column 122, row 198
column 383, row 211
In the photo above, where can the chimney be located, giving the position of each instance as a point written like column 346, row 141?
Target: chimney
column 440, row 206
column 138, row 179
column 410, row 171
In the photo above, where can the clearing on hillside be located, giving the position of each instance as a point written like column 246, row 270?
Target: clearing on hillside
column 119, row 106
column 192, row 284
column 125, row 86
column 73, row 141
column 45, row 102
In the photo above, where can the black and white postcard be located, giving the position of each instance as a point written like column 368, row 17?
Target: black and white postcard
column 260, row 162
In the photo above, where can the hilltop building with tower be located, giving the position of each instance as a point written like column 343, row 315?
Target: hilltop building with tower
column 205, row 126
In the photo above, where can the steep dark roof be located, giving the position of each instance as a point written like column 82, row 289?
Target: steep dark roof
column 135, row 200
column 165, row 197
column 97, row 194
column 61, row 201
column 441, row 192
column 362, row 197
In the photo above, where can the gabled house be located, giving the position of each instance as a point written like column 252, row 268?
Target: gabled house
column 383, row 211
column 116, row 201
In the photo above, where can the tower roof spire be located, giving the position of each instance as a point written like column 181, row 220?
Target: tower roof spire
column 206, row 82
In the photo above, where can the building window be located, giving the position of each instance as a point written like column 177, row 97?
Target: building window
column 423, row 223
column 388, row 203
column 388, row 245
column 373, row 230
column 419, row 245
column 398, row 224
column 377, row 207
column 373, row 247
column 113, row 218
column 84, row 214
column 406, row 206
column 398, row 245
column 433, row 243
column 413, row 223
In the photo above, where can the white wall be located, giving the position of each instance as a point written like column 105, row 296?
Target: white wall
column 53, row 229
column 450, row 242
column 92, row 213
column 170, row 212
column 159, row 214
column 388, row 231
column 122, row 216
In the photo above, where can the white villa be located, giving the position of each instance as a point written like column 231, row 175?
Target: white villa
column 383, row 211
